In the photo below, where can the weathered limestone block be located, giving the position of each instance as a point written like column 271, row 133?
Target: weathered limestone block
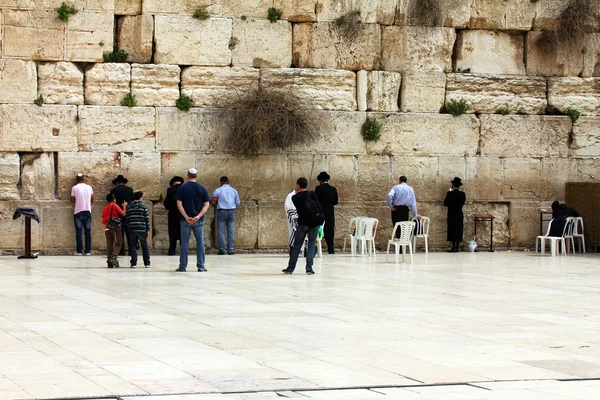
column 501, row 224
column 485, row 178
column 451, row 13
column 161, row 6
column 107, row 84
column 272, row 225
column 99, row 170
column 581, row 94
column 155, row 84
column 426, row 135
column 548, row 14
column 344, row 172
column 182, row 39
column 33, row 128
column 197, row 130
column 32, row 35
column 260, row 43
column 524, row 136
column 378, row 169
column 218, row 86
column 591, row 56
column 321, row 89
column 524, row 223
column 18, row 81
column 586, row 137
column 257, row 9
column 417, row 48
column 246, row 225
column 490, row 52
column 128, row 7
column 361, row 90
column 423, row 92
column 135, row 35
column 237, row 168
column 521, row 178
column 422, row 174
column 371, row 12
column 12, row 237
column 270, row 178
column 340, row 134
column 175, row 164
column 547, row 58
column 60, row 83
column 99, row 5
column 117, row 129
column 9, row 176
column 297, row 10
column 321, row 45
column 38, row 179
column 502, row 15
column 88, row 35
column 588, row 170
column 383, row 90
column 555, row 173
column 487, row 93
column 305, row 165
column 143, row 172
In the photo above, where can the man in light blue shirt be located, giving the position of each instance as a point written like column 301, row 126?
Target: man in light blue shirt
column 227, row 199
column 399, row 199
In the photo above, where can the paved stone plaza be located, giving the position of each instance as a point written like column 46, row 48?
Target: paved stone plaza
column 502, row 325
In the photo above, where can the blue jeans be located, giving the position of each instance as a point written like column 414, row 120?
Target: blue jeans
column 301, row 232
column 186, row 231
column 83, row 221
column 226, row 218
column 132, row 238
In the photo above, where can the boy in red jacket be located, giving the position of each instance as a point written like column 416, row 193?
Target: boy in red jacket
column 113, row 236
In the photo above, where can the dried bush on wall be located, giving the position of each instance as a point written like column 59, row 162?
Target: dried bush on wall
column 425, row 12
column 348, row 26
column 267, row 120
column 571, row 26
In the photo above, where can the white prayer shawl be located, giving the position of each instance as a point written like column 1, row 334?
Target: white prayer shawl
column 292, row 217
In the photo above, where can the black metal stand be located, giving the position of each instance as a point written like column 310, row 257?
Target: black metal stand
column 28, row 254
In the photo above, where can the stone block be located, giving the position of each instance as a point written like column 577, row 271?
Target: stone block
column 272, row 226
column 135, row 35
column 261, row 44
column 184, row 40
column 417, row 48
column 38, row 177
column 32, row 35
column 297, row 10
column 586, row 137
column 9, row 176
column 111, row 129
column 375, row 176
column 18, row 81
column 361, row 90
column 490, row 52
column 344, row 175
column 160, row 229
column 143, row 171
column 270, row 178
column 524, row 136
column 320, row 89
column 246, row 225
column 155, row 85
column 88, row 34
column 12, row 237
column 99, row 5
column 555, row 173
column 500, row 210
column 197, row 130
column 220, row 87
column 591, row 56
column 99, row 170
column 423, row 92
column 521, row 178
column 587, row 169
column 33, row 128
column 383, row 90
column 485, row 179
column 426, row 135
column 451, row 13
column 581, row 94
column 128, row 7
column 524, row 223
column 107, row 84
column 422, row 175
column 175, row 164
column 161, row 6
column 307, row 166
column 488, row 93
column 447, row 169
column 251, row 9
column 323, row 45
column 60, row 83
column 547, row 58
column 371, row 12
column 502, row 15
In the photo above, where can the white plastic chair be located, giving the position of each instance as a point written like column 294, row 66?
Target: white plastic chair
column 356, row 228
column 554, row 240
column 404, row 241
column 422, row 231
column 367, row 239
column 578, row 234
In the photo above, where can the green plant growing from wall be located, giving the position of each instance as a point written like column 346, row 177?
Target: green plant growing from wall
column 65, row 10
column 129, row 100
column 572, row 113
column 371, row 130
column 184, row 103
column 117, row 56
column 201, row 14
column 348, row 26
column 39, row 101
column 233, row 41
column 503, row 111
column 457, row 107
column 425, row 12
column 243, row 17
column 274, row 14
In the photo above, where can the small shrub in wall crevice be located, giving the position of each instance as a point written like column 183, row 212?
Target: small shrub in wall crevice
column 572, row 113
column 274, row 14
column 457, row 107
column 503, row 111
column 117, row 56
column 184, row 103
column 129, row 100
column 39, row 101
column 371, row 130
column 65, row 11
column 201, row 14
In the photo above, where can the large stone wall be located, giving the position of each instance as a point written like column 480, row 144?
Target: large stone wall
column 395, row 65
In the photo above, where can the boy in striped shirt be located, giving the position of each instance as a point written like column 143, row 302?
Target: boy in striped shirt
column 138, row 227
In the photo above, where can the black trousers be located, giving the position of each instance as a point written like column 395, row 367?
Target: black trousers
column 401, row 214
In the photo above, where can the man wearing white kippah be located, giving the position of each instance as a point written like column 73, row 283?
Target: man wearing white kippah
column 192, row 202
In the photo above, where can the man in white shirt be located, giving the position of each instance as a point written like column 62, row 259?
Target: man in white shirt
column 227, row 199
column 82, row 196
column 400, row 198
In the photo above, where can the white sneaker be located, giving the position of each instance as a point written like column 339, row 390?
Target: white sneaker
column 88, row 254
column 78, row 254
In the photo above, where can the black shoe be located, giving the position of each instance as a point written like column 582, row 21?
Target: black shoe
column 331, row 252
column 286, row 271
column 230, row 253
column 171, row 253
column 310, row 272
column 132, row 266
column 221, row 252
column 180, row 270
column 202, row 269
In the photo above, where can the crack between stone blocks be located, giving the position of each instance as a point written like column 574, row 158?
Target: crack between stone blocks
column 535, row 195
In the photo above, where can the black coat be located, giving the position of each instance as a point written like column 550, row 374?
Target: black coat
column 174, row 214
column 455, row 200
column 122, row 193
column 328, row 197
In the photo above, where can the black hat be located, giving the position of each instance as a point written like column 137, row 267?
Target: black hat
column 323, row 176
column 120, row 178
column 456, row 182
column 176, row 179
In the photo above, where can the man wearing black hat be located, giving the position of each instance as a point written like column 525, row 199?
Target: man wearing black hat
column 174, row 214
column 328, row 197
column 123, row 193
column 455, row 200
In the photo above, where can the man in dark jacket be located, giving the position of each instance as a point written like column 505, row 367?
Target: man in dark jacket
column 174, row 215
column 305, row 227
column 123, row 193
column 455, row 200
column 138, row 227
column 328, row 197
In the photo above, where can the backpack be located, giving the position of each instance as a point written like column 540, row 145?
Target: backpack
column 313, row 211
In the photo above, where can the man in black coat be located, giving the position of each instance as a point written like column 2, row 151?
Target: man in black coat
column 328, row 197
column 123, row 193
column 174, row 215
column 455, row 200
